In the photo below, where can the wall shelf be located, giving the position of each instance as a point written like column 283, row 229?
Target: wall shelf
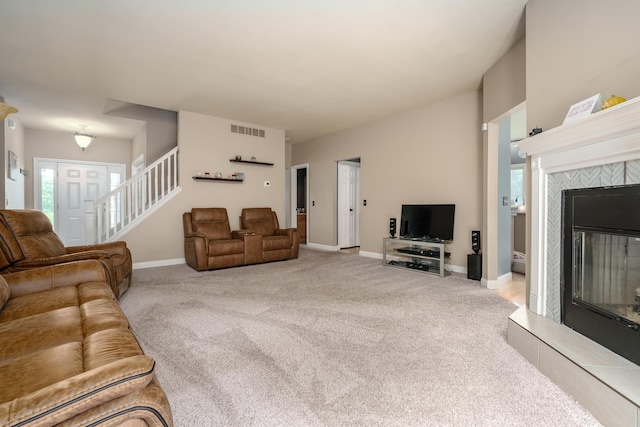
column 204, row 178
column 251, row 162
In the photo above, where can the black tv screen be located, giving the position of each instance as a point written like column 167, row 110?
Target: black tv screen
column 427, row 222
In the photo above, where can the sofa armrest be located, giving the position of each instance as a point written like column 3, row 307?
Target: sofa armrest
column 239, row 234
column 286, row 232
column 113, row 248
column 196, row 251
column 60, row 401
column 55, row 276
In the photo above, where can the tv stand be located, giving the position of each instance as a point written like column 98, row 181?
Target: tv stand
column 426, row 256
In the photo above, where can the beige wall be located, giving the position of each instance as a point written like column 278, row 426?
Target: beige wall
column 61, row 145
column 13, row 197
column 206, row 144
column 430, row 154
column 504, row 84
column 576, row 49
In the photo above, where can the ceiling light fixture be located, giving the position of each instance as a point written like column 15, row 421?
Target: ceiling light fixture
column 83, row 139
column 6, row 109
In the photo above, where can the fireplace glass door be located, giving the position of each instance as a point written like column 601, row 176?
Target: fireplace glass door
column 607, row 274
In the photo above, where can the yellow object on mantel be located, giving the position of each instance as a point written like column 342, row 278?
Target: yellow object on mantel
column 614, row 100
column 6, row 109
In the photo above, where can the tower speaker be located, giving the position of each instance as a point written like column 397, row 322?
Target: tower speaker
column 392, row 227
column 474, row 266
column 475, row 241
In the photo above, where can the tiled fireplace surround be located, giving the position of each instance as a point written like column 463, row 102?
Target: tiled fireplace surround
column 600, row 150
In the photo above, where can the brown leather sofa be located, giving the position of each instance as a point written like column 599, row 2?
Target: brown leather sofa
column 210, row 244
column 67, row 354
column 28, row 241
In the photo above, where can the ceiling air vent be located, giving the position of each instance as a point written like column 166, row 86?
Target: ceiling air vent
column 244, row 130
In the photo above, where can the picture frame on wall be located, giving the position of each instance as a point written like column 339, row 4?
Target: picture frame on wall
column 583, row 109
column 13, row 166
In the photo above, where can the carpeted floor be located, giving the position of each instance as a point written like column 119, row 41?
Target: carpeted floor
column 333, row 339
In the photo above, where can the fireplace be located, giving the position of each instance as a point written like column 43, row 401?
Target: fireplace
column 601, row 266
column 579, row 326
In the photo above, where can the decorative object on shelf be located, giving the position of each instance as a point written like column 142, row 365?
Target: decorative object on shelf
column 614, row 100
column 210, row 178
column 251, row 162
column 218, row 175
column 583, row 109
column 535, row 131
column 83, row 139
column 13, row 166
column 207, row 174
column 238, row 157
column 6, row 109
column 253, row 158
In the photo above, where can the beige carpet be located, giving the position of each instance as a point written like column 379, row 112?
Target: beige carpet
column 333, row 339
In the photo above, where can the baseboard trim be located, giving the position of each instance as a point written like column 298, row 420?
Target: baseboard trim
column 160, row 263
column 497, row 284
column 370, row 254
column 320, row 247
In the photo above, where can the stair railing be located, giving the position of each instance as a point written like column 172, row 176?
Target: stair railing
column 117, row 212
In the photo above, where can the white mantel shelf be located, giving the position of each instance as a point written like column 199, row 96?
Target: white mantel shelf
column 615, row 123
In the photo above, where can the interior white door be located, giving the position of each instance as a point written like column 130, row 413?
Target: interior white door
column 76, row 184
column 348, row 190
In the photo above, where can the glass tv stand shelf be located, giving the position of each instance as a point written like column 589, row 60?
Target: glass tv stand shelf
column 419, row 255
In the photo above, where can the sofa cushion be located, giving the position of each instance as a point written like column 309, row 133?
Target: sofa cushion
column 101, row 314
column 260, row 220
column 34, row 233
column 109, row 346
column 40, row 302
column 226, row 247
column 40, row 331
column 212, row 222
column 33, row 371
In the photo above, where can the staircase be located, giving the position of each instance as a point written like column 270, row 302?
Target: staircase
column 118, row 212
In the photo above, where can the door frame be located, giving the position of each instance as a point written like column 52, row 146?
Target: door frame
column 294, row 197
column 37, row 182
column 358, row 166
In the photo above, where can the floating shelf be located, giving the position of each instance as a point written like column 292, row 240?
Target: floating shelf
column 251, row 162
column 204, row 178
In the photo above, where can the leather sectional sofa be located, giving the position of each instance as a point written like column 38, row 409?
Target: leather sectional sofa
column 210, row 244
column 67, row 354
column 27, row 241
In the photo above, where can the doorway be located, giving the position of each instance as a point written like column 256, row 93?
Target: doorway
column 300, row 200
column 64, row 191
column 348, row 206
column 502, row 205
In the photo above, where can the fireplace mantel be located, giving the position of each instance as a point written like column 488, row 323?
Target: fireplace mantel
column 600, row 150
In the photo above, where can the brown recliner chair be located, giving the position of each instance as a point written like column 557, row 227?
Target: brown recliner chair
column 209, row 243
column 277, row 244
column 28, row 241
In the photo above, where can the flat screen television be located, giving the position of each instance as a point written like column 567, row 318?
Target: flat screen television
column 427, row 222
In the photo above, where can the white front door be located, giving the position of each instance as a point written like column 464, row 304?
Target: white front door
column 77, row 183
column 348, row 195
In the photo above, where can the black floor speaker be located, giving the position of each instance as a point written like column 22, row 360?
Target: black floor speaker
column 474, row 266
column 392, row 227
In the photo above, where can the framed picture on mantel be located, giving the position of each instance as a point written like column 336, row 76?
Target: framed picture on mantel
column 583, row 109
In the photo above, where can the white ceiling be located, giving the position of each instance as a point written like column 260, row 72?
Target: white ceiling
column 310, row 67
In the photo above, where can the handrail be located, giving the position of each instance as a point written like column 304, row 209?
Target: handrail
column 119, row 210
